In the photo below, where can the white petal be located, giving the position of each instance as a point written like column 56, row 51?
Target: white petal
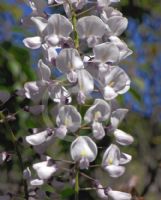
column 45, row 169
column 125, row 158
column 124, row 50
column 101, row 192
column 115, row 171
column 111, row 156
column 36, row 182
column 35, row 90
column 69, row 117
column 38, row 138
column 83, row 147
column 59, row 25
column 33, row 42
column 109, row 93
column 117, row 24
column 40, row 23
column 99, row 111
column 116, row 195
column 117, row 116
column 104, row 3
column 123, row 138
column 90, row 26
column 59, row 94
column 68, row 60
column 106, row 52
column 85, row 81
column 98, row 130
column 44, row 71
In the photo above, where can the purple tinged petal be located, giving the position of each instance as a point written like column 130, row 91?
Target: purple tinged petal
column 125, row 158
column 99, row 111
column 123, row 138
column 69, row 117
column 4, row 96
column 98, row 130
column 111, row 156
column 117, row 116
column 61, row 131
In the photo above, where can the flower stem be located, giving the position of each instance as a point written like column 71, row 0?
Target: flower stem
column 74, row 22
column 77, row 185
column 18, row 152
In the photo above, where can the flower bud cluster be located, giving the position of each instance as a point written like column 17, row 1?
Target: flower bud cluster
column 86, row 51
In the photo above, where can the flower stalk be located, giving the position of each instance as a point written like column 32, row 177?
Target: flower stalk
column 18, row 153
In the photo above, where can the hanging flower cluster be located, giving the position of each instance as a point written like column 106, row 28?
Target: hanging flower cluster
column 86, row 51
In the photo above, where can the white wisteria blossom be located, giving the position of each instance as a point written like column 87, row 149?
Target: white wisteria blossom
column 78, row 75
column 83, row 150
column 67, row 120
column 51, row 32
column 104, row 3
column 91, row 28
column 112, row 160
column 45, row 169
column 96, row 114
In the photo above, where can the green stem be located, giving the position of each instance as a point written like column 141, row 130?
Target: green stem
column 74, row 22
column 77, row 185
column 18, row 152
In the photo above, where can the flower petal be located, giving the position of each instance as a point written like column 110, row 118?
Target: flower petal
column 59, row 25
column 98, row 130
column 99, row 111
column 123, row 138
column 125, row 158
column 115, row 171
column 38, row 138
column 69, row 117
column 44, row 71
column 85, row 81
column 83, row 147
column 111, row 156
column 117, row 195
column 33, row 42
column 68, row 60
column 106, row 52
column 40, row 23
column 117, row 116
column 45, row 169
column 90, row 26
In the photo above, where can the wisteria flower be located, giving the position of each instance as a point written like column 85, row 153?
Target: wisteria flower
column 96, row 114
column 45, row 169
column 113, row 81
column 91, row 28
column 83, row 150
column 51, row 31
column 111, row 161
column 67, row 120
